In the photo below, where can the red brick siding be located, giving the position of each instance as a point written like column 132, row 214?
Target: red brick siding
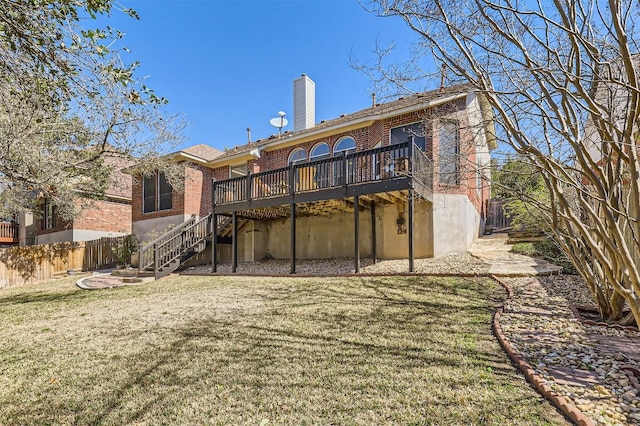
column 99, row 215
column 192, row 190
column 197, row 194
column 376, row 134
column 221, row 173
column 194, row 199
column 105, row 216
column 205, row 204
column 280, row 157
column 177, row 203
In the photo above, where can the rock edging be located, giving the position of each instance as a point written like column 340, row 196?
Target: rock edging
column 539, row 383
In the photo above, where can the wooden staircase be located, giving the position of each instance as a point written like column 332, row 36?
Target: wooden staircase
column 168, row 252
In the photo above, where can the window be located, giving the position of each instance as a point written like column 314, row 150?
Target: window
column 298, row 155
column 48, row 215
column 449, row 153
column 157, row 193
column 149, row 191
column 417, row 133
column 321, row 172
column 345, row 145
column 319, row 151
column 165, row 198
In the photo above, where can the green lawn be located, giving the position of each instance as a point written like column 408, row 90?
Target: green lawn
column 257, row 351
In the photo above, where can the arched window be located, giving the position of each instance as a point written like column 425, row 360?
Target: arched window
column 319, row 151
column 321, row 169
column 345, row 144
column 298, row 155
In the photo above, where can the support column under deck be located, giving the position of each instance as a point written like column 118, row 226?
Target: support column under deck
column 374, row 254
column 356, row 232
column 293, row 238
column 214, row 243
column 234, row 243
column 410, row 230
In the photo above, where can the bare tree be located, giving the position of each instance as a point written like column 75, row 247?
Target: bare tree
column 562, row 81
column 69, row 105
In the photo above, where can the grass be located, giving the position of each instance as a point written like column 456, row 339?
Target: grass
column 222, row 350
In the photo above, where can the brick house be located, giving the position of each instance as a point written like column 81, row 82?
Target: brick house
column 109, row 216
column 156, row 206
column 403, row 179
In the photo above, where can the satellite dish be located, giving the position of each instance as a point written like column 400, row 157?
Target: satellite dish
column 279, row 122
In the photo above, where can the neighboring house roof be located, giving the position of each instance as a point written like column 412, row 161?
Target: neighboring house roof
column 408, row 103
column 202, row 151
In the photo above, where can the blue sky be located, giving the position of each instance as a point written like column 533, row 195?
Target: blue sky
column 228, row 65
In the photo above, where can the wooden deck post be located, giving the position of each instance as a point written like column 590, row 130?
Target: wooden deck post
column 374, row 253
column 140, row 257
column 293, row 238
column 356, row 231
column 410, row 230
column 214, row 228
column 214, row 243
column 234, row 243
column 156, row 261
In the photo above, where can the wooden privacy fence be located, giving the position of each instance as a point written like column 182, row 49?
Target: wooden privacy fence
column 30, row 264
column 497, row 215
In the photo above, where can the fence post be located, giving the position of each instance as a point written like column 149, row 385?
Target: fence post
column 345, row 169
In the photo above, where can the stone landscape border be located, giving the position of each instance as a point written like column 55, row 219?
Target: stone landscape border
column 539, row 383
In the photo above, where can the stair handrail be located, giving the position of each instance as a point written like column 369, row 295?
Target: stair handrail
column 223, row 223
column 173, row 247
column 422, row 167
column 146, row 252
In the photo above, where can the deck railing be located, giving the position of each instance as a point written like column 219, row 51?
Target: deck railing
column 8, row 232
column 374, row 165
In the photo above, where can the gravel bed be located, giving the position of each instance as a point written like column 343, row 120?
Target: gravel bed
column 541, row 327
column 463, row 263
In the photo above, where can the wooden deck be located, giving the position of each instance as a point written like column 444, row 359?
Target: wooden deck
column 382, row 175
column 348, row 182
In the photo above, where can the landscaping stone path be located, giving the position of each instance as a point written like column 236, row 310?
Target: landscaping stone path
column 494, row 250
column 588, row 368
